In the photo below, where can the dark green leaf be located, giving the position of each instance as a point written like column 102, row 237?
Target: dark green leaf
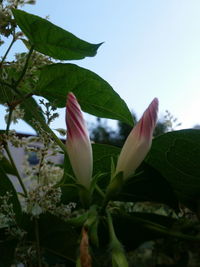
column 6, row 186
column 148, row 185
column 103, row 154
column 6, row 166
column 176, row 156
column 6, row 95
column 145, row 227
column 68, row 184
column 52, row 40
column 94, row 94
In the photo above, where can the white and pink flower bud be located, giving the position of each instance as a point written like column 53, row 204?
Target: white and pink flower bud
column 78, row 142
column 138, row 142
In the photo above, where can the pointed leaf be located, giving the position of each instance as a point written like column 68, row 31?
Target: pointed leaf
column 148, row 185
column 52, row 40
column 94, row 94
column 146, row 227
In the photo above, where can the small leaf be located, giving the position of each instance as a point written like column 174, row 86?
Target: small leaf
column 94, row 94
column 52, row 40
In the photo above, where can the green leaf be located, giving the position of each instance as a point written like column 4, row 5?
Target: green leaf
column 94, row 94
column 148, row 185
column 28, row 118
column 52, row 40
column 68, row 184
column 6, row 186
column 176, row 156
column 6, row 95
column 146, row 227
column 6, row 166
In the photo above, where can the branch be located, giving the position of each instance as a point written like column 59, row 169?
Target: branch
column 25, row 67
column 8, row 50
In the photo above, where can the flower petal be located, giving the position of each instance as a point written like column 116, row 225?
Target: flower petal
column 138, row 142
column 78, row 142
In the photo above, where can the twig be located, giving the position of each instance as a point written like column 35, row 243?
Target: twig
column 8, row 50
column 25, row 67
column 9, row 119
column 15, row 168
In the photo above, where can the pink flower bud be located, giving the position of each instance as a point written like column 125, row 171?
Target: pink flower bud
column 78, row 143
column 138, row 142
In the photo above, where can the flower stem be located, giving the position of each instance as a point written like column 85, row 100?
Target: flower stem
column 9, row 119
column 32, row 109
column 8, row 50
column 24, row 68
column 15, row 168
column 110, row 226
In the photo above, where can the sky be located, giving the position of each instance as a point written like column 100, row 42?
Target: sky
column 151, row 49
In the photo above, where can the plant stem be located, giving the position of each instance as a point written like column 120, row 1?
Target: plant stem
column 8, row 50
column 110, row 226
column 101, row 193
column 33, row 111
column 38, row 243
column 25, row 67
column 172, row 233
column 46, row 128
column 15, row 168
column 9, row 119
column 35, row 115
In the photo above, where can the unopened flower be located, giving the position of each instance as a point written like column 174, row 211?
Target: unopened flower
column 138, row 142
column 78, row 143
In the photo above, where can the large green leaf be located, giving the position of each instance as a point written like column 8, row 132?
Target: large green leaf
column 148, row 226
column 94, row 94
column 148, row 185
column 52, row 40
column 176, row 155
column 6, row 186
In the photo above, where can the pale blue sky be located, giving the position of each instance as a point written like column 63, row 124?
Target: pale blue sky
column 152, row 48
